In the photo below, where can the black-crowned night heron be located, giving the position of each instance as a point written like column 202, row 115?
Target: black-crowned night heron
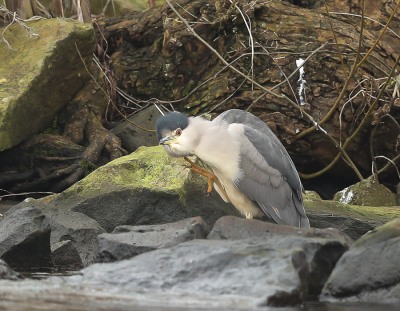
column 251, row 167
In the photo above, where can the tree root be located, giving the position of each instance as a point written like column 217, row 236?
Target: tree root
column 65, row 176
column 12, row 177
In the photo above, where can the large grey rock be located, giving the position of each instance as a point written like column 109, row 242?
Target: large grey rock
column 208, row 270
column 25, row 237
column 132, row 137
column 129, row 241
column 30, row 235
column 366, row 193
column 322, row 247
column 369, row 271
column 43, row 75
column 144, row 188
column 6, row 273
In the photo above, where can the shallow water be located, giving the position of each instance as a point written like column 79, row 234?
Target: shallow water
column 78, row 303
column 55, row 294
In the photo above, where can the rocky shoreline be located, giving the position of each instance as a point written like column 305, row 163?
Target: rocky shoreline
column 142, row 227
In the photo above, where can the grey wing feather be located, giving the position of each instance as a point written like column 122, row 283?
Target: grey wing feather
column 268, row 175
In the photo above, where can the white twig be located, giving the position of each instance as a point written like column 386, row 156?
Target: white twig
column 159, row 110
column 252, row 47
column 19, row 21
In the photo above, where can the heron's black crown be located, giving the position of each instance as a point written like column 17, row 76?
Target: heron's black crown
column 171, row 121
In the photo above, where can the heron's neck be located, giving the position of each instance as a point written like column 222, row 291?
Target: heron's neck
column 215, row 146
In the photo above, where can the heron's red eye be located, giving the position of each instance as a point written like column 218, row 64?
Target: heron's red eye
column 178, row 132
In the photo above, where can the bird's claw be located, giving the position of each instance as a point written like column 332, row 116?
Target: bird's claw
column 249, row 215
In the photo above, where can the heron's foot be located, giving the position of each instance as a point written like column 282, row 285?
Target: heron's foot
column 210, row 176
column 249, row 215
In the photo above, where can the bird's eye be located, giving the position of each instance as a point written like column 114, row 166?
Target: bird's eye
column 178, row 132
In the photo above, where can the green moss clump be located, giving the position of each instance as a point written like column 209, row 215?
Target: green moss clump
column 87, row 166
column 54, row 128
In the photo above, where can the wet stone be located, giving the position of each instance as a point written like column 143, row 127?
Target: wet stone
column 369, row 270
column 65, row 256
column 322, row 247
column 129, row 241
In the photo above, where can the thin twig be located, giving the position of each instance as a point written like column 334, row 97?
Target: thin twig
column 366, row 17
column 336, row 41
column 386, row 167
column 355, row 67
column 281, row 96
column 391, row 161
column 252, row 47
column 359, row 128
column 267, row 90
column 283, row 73
column 20, row 21
column 108, row 96
column 25, row 193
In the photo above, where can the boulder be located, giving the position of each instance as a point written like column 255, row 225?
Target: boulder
column 78, row 228
column 144, row 188
column 6, row 273
column 132, row 136
column 207, row 271
column 369, row 270
column 322, row 247
column 65, row 256
column 129, row 241
column 366, row 193
column 41, row 76
column 25, row 237
column 30, row 236
column 353, row 220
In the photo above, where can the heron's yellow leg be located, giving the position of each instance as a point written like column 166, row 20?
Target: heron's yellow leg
column 210, row 176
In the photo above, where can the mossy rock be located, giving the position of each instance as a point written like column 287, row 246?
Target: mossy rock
column 354, row 220
column 144, row 188
column 366, row 193
column 41, row 75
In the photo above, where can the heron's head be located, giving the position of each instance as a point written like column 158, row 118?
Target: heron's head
column 173, row 132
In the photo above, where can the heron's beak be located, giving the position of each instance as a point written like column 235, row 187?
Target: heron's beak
column 167, row 140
